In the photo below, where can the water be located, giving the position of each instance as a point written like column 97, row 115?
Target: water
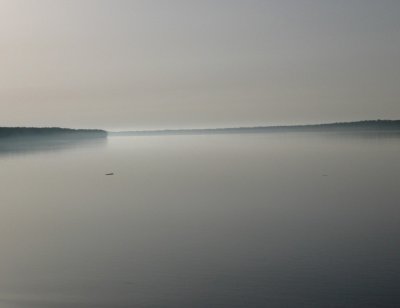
column 262, row 220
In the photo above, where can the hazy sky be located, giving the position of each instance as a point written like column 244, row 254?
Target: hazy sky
column 143, row 64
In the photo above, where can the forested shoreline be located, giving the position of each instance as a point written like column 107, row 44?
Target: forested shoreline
column 53, row 132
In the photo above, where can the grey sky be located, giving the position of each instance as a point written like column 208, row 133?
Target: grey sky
column 181, row 63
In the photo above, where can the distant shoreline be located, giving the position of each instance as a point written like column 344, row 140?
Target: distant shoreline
column 369, row 126
column 50, row 132
column 359, row 126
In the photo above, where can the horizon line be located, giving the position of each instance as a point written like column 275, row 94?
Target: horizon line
column 253, row 127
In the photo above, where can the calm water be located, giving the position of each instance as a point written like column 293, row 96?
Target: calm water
column 263, row 220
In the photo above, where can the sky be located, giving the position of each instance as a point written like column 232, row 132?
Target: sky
column 154, row 64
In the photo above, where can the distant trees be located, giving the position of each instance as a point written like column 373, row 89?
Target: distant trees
column 367, row 125
column 12, row 132
column 360, row 126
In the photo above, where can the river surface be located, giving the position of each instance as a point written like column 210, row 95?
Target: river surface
column 254, row 220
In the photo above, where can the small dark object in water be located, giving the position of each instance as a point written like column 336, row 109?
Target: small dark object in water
column 110, row 173
column 324, row 175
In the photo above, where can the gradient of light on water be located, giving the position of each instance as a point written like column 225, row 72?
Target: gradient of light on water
column 263, row 220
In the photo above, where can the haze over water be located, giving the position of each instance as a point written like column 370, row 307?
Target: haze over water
column 255, row 220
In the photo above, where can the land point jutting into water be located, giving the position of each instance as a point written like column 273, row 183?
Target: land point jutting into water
column 50, row 132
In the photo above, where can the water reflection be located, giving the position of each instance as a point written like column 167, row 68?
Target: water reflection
column 363, row 135
column 25, row 146
column 204, row 221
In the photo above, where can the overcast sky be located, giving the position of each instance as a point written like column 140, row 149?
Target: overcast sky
column 148, row 64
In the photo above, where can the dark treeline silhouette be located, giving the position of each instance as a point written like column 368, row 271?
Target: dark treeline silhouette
column 50, row 132
column 360, row 126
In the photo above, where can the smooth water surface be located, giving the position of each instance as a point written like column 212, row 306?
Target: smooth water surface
column 262, row 220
